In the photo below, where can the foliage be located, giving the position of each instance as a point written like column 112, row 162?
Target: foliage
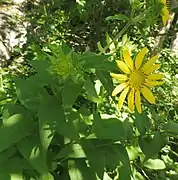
column 58, row 118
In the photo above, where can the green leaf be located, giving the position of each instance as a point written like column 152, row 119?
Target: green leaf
column 79, row 170
column 115, row 155
column 125, row 169
column 119, row 17
column 29, row 92
column 155, row 164
column 14, row 165
column 46, row 135
column 43, row 69
column 70, row 92
column 5, row 176
column 46, row 176
column 142, row 123
column 106, row 80
column 109, row 128
column 65, row 48
column 138, row 176
column 31, row 150
column 91, row 92
column 175, row 10
column 99, row 62
column 133, row 152
column 95, row 156
column 71, row 151
column 52, row 114
column 6, row 154
column 14, row 129
column 11, row 109
column 124, row 174
column 16, row 176
column 171, row 127
column 150, row 147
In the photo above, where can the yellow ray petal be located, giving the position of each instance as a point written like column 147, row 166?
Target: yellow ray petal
column 119, row 88
column 152, row 69
column 148, row 94
column 119, row 77
column 151, row 83
column 122, row 97
column 128, row 60
column 155, row 76
column 149, row 63
column 138, row 101
column 139, row 58
column 123, row 67
column 131, row 100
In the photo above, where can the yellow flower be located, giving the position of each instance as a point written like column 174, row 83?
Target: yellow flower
column 165, row 12
column 136, row 80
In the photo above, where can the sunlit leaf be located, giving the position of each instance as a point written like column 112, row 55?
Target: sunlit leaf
column 155, row 164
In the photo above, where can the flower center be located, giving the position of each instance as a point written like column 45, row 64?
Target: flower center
column 137, row 78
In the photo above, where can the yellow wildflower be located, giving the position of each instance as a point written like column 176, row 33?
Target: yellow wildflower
column 136, row 80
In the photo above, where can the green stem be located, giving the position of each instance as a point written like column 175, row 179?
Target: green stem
column 116, row 37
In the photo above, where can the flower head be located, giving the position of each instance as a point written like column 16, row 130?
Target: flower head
column 165, row 12
column 136, row 80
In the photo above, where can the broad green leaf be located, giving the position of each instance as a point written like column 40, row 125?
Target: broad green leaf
column 175, row 10
column 89, row 59
column 138, row 176
column 71, row 151
column 119, row 17
column 43, row 69
column 150, row 147
column 6, row 154
column 124, row 174
column 16, row 176
column 155, row 164
column 65, row 48
column 115, row 155
column 133, row 152
column 5, row 176
column 124, row 158
column 79, row 170
column 14, row 129
column 29, row 92
column 52, row 114
column 107, row 66
column 171, row 127
column 70, row 92
column 106, row 80
column 11, row 109
column 46, row 176
column 14, row 165
column 99, row 62
column 109, row 128
column 30, row 148
column 129, row 129
column 45, row 132
column 95, row 155
column 142, row 123
column 91, row 92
